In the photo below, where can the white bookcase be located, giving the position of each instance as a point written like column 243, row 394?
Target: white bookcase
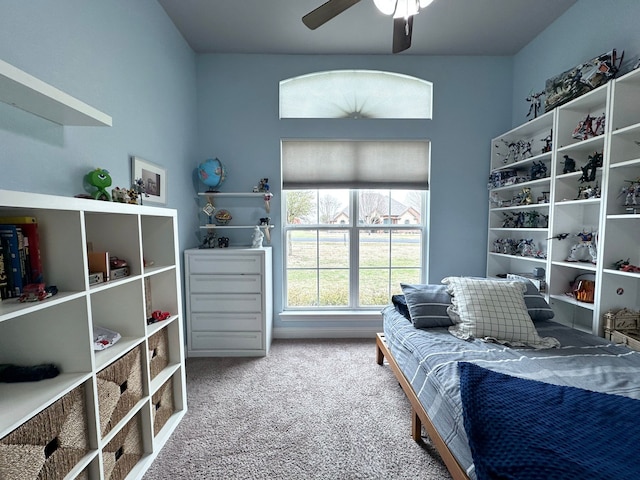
column 571, row 212
column 59, row 330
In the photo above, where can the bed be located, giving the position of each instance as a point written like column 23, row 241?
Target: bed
column 578, row 398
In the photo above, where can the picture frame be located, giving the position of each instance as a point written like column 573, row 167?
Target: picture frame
column 154, row 179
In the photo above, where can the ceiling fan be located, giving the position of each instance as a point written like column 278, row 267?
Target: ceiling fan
column 402, row 11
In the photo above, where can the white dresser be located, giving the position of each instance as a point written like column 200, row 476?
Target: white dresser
column 229, row 300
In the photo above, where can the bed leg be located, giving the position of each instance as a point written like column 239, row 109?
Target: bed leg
column 379, row 354
column 416, row 426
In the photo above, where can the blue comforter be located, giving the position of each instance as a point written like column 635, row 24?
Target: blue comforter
column 525, row 429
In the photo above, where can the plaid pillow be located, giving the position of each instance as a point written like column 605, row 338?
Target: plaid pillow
column 493, row 311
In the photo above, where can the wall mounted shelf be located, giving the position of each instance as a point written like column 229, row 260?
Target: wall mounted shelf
column 26, row 92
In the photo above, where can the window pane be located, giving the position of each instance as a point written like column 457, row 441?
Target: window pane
column 302, row 249
column 408, row 206
column 302, row 288
column 374, row 248
column 403, row 275
column 333, row 207
column 406, row 248
column 334, row 249
column 334, row 288
column 301, row 206
column 374, row 287
column 373, row 207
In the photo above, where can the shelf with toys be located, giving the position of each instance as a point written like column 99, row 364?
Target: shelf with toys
column 591, row 254
column 219, row 218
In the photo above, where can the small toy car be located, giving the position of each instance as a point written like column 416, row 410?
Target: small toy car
column 34, row 292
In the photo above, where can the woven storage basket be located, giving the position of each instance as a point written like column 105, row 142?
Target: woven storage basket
column 158, row 352
column 50, row 444
column 163, row 406
column 124, row 450
column 119, row 389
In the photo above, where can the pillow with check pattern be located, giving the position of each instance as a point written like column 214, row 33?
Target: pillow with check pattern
column 492, row 310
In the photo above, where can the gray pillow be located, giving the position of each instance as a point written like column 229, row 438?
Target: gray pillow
column 427, row 305
column 537, row 306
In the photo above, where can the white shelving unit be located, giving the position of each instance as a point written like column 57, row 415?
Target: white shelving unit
column 59, row 330
column 28, row 93
column 223, row 198
column 570, row 212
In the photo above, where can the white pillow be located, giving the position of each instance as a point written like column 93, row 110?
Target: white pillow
column 494, row 311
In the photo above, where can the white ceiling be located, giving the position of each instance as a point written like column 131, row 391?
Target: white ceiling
column 446, row 27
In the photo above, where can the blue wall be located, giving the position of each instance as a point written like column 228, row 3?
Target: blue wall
column 124, row 58
column 587, row 29
column 238, row 122
column 175, row 108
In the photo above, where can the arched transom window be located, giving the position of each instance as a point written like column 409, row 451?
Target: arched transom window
column 356, row 94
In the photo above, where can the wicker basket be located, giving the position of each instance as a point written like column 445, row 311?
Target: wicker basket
column 50, row 444
column 158, row 352
column 163, row 406
column 122, row 453
column 119, row 389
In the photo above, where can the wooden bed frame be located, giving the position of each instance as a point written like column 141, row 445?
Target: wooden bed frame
column 419, row 417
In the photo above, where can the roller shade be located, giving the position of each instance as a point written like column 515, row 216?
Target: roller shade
column 370, row 164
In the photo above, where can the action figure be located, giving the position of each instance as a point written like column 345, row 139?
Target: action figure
column 538, row 170
column 534, row 108
column 569, row 164
column 589, row 170
column 586, row 240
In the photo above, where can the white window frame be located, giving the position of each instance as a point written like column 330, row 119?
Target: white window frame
column 355, row 229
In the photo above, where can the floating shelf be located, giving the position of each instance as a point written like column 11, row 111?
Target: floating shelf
column 26, row 92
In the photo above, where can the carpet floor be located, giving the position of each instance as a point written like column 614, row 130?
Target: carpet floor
column 311, row 409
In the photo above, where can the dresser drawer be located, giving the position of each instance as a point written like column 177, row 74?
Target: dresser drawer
column 225, row 302
column 238, row 322
column 225, row 283
column 225, row 264
column 226, row 340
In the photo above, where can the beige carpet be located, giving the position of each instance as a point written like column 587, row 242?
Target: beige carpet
column 312, row 409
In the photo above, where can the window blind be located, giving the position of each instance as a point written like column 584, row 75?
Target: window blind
column 371, row 164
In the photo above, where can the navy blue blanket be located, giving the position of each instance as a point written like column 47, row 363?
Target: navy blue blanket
column 525, row 429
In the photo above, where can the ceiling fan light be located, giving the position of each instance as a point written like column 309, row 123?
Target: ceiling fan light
column 406, row 8
column 386, row 7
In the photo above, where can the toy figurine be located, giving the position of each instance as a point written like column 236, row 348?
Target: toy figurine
column 569, row 164
column 538, row 170
column 586, row 240
column 631, row 192
column 256, row 239
column 100, row 179
column 589, row 170
column 136, row 190
column 534, row 108
column 548, row 143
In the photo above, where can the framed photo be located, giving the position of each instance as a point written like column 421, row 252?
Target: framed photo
column 154, row 180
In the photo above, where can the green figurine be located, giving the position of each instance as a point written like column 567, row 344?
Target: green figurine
column 100, row 179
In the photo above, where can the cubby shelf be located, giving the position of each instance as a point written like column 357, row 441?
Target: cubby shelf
column 59, row 330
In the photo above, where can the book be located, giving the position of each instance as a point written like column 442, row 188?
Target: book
column 29, row 226
column 9, row 236
column 99, row 263
column 4, row 281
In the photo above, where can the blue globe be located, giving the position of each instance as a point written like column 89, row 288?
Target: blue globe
column 212, row 173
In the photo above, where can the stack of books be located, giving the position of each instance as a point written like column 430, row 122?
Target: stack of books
column 20, row 260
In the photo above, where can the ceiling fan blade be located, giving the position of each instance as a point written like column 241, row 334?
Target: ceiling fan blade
column 402, row 30
column 326, row 12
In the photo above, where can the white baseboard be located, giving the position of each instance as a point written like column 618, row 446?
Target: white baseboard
column 332, row 332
